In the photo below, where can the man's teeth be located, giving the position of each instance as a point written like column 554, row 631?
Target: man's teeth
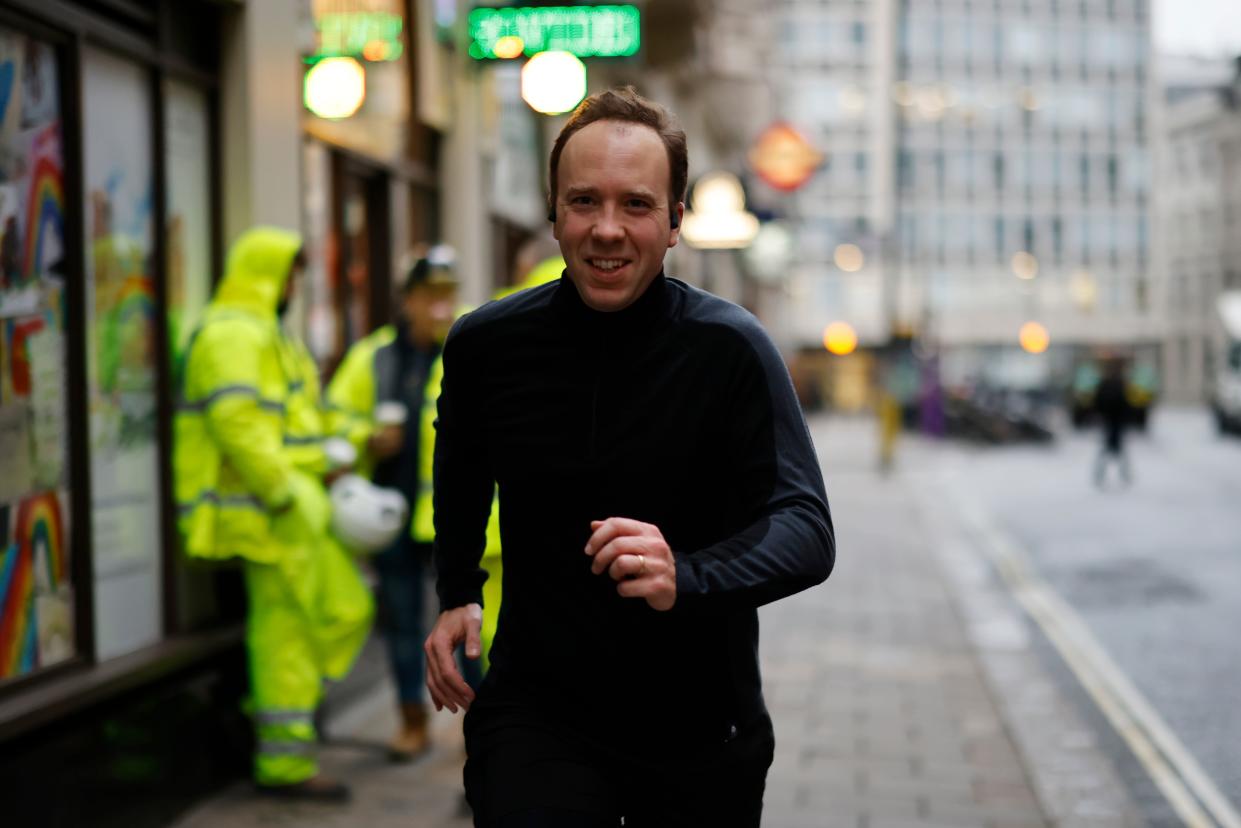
column 608, row 264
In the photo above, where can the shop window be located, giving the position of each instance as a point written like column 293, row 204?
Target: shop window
column 122, row 354
column 187, row 228
column 36, row 589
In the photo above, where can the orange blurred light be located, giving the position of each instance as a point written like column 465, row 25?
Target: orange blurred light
column 839, row 338
column 1034, row 338
column 375, row 50
column 509, row 46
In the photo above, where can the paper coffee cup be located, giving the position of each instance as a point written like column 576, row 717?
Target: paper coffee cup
column 391, row 413
column 340, row 453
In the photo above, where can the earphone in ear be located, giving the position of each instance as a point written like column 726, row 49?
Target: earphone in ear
column 675, row 222
column 551, row 215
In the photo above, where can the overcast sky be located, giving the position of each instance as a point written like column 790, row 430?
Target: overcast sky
column 1198, row 27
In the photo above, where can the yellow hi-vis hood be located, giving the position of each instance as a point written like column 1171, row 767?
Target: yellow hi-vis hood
column 257, row 269
column 548, row 270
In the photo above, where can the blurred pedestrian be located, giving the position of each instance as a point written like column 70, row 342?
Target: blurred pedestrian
column 1115, row 413
column 657, row 484
column 250, row 468
column 377, row 398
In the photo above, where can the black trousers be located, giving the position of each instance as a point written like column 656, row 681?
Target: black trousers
column 525, row 774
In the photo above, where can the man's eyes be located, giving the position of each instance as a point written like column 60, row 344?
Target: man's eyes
column 635, row 204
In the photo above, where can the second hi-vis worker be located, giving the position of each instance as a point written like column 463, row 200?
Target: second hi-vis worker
column 389, row 370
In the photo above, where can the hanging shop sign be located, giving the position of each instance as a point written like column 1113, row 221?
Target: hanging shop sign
column 783, row 157
column 369, row 30
column 584, row 31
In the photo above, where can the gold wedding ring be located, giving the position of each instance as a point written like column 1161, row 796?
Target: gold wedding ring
column 641, row 565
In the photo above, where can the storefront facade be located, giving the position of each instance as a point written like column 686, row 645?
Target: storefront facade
column 137, row 138
column 110, row 228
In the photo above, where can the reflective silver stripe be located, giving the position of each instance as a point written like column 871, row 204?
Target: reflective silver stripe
column 286, row 748
column 222, row 500
column 275, row 717
column 290, row 440
column 230, row 390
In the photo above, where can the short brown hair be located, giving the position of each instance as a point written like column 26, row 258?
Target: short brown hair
column 625, row 104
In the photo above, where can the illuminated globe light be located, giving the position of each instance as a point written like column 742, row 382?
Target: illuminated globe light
column 553, row 82
column 1025, row 265
column 849, row 258
column 334, row 88
column 1034, row 338
column 509, row 46
column 839, row 338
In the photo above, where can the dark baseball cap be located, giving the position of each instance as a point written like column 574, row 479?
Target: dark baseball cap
column 437, row 267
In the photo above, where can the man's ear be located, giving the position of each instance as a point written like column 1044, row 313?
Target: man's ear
column 674, row 232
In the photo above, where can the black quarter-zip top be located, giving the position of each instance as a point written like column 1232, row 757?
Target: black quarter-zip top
column 691, row 424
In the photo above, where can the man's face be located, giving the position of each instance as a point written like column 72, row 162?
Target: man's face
column 612, row 218
column 429, row 311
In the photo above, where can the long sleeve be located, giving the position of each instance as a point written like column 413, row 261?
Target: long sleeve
column 245, row 425
column 784, row 540
column 463, row 480
column 350, row 397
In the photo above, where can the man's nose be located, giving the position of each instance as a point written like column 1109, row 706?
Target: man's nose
column 608, row 226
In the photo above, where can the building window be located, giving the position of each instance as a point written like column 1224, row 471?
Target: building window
column 37, row 591
column 122, row 361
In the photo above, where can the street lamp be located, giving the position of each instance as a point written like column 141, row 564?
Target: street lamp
column 840, row 339
column 719, row 220
column 334, row 88
column 553, row 82
column 1034, row 338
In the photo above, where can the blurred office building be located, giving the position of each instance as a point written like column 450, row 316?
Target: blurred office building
column 1199, row 181
column 986, row 165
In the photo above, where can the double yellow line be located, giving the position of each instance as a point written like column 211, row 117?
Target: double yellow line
column 1187, row 787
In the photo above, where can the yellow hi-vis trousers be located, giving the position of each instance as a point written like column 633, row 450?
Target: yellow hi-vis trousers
column 309, row 616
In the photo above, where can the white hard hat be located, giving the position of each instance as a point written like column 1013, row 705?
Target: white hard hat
column 365, row 517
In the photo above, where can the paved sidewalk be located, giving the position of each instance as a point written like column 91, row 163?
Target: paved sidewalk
column 883, row 717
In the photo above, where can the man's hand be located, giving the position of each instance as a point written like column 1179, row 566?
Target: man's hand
column 448, row 688
column 386, row 442
column 636, row 555
column 335, row 474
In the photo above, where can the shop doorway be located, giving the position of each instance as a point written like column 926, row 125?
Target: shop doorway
column 362, row 226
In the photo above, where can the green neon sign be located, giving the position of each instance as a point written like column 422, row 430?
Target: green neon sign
column 373, row 36
column 585, row 31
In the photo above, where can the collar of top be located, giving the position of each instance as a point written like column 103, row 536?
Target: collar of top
column 645, row 311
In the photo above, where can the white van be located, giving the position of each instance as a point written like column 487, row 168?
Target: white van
column 1226, row 387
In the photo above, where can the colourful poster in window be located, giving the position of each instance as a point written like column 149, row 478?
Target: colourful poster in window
column 36, row 593
column 123, row 354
